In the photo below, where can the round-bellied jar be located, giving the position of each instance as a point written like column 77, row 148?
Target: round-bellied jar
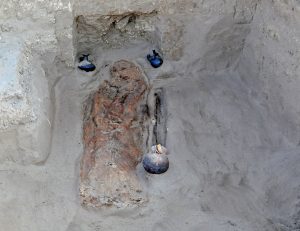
column 155, row 59
column 156, row 162
column 85, row 64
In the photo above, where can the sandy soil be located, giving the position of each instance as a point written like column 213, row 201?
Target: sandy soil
column 232, row 118
column 225, row 162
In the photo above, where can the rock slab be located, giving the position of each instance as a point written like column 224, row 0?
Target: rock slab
column 113, row 137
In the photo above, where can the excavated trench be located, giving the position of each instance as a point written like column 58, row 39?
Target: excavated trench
column 124, row 118
column 230, row 155
column 224, row 103
column 225, row 143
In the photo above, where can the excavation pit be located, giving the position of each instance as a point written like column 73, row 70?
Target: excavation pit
column 224, row 103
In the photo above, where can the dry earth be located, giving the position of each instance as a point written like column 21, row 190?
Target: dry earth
column 225, row 103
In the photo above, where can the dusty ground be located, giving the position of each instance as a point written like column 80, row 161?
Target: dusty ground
column 232, row 117
column 225, row 173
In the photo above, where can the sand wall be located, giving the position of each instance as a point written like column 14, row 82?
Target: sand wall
column 269, row 66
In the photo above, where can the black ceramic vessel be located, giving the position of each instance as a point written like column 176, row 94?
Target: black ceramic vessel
column 85, row 64
column 155, row 59
column 156, row 162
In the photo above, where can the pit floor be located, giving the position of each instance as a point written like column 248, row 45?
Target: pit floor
column 225, row 160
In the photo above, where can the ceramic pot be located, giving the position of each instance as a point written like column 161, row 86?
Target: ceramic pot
column 85, row 64
column 156, row 162
column 155, row 59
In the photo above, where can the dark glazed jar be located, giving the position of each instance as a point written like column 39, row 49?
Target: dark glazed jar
column 156, row 162
column 155, row 59
column 85, row 64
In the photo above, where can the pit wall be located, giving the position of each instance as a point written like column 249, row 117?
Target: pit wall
column 219, row 28
column 31, row 35
column 269, row 66
column 163, row 22
column 25, row 102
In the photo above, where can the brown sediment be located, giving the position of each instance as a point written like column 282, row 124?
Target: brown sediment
column 113, row 138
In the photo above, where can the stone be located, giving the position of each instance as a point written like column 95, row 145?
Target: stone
column 25, row 106
column 113, row 139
